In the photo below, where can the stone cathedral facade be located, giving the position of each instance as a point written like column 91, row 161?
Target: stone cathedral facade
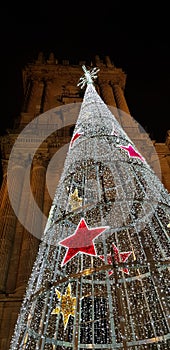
column 49, row 84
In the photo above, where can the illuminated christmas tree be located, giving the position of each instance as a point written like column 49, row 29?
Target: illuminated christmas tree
column 101, row 277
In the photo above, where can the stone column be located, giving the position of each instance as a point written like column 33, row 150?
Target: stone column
column 17, row 245
column 35, row 99
column 48, row 96
column 107, row 93
column 97, row 60
column 125, row 119
column 108, row 97
column 165, row 171
column 47, row 204
column 30, row 242
column 108, row 62
column 4, row 182
column 8, row 220
column 120, row 98
column 167, row 141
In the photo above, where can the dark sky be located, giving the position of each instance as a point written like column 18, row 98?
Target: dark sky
column 134, row 36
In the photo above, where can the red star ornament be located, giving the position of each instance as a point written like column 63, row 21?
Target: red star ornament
column 118, row 257
column 75, row 137
column 132, row 153
column 81, row 241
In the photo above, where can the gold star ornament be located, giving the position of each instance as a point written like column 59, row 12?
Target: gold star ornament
column 67, row 305
column 75, row 201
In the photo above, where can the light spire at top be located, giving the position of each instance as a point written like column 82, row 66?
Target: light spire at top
column 88, row 77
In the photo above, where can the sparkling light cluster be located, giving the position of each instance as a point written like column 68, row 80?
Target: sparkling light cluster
column 80, row 304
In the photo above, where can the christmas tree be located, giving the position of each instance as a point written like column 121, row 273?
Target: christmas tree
column 101, row 277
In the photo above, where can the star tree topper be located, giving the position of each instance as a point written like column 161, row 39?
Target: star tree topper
column 88, row 77
column 81, row 241
column 67, row 305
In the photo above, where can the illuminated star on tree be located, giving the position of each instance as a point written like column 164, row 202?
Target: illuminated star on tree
column 67, row 306
column 75, row 137
column 132, row 153
column 88, row 77
column 75, row 201
column 118, row 257
column 81, row 241
column 168, row 225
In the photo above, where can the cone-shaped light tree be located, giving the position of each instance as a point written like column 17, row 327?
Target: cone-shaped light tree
column 101, row 277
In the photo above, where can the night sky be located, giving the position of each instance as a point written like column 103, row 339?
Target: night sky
column 135, row 37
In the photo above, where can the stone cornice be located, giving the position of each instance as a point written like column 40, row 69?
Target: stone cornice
column 114, row 80
column 46, row 72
